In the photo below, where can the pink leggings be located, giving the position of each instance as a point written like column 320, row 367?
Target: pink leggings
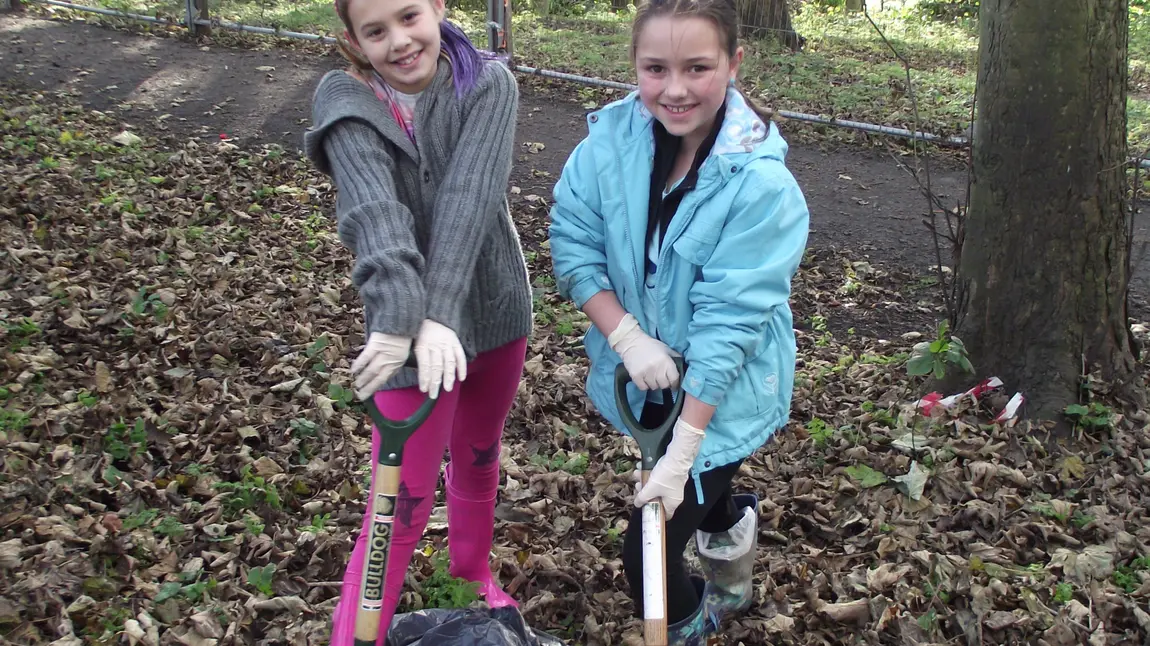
column 469, row 422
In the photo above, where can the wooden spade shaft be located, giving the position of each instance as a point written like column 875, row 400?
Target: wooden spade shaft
column 654, row 572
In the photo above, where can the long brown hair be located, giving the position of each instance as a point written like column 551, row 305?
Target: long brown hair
column 720, row 13
column 343, row 41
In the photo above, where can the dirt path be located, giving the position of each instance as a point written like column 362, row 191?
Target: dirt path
column 860, row 200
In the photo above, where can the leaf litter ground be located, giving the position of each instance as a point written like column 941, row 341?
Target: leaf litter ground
column 181, row 461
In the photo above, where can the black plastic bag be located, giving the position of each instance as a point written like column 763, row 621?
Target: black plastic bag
column 465, row 627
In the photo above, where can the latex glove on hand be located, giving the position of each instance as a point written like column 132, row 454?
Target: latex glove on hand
column 441, row 358
column 669, row 477
column 649, row 361
column 381, row 358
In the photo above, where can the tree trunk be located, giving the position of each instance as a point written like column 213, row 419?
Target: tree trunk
column 854, row 6
column 201, row 6
column 1044, row 267
column 758, row 18
column 619, row 5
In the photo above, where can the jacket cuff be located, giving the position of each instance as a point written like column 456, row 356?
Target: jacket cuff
column 401, row 314
column 696, row 384
column 581, row 288
column 446, row 311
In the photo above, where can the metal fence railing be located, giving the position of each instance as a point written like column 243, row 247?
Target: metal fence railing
column 195, row 16
column 758, row 19
column 757, row 16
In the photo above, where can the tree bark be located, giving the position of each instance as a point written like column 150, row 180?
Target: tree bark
column 204, row 14
column 1044, row 267
column 854, row 6
column 758, row 18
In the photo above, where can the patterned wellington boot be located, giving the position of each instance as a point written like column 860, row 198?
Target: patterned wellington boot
column 693, row 630
column 727, row 559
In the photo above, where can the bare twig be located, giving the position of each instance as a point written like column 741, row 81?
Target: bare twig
column 952, row 233
column 930, row 197
column 1135, row 189
column 956, row 292
column 1131, row 265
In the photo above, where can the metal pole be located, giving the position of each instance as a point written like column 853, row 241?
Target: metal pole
column 267, row 31
column 564, row 76
column 508, row 45
column 493, row 25
column 111, row 12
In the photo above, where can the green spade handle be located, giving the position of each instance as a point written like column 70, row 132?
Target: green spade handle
column 394, row 433
column 652, row 441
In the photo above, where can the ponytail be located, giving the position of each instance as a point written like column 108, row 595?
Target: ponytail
column 766, row 114
column 353, row 55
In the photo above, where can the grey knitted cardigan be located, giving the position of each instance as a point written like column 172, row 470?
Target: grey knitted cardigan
column 429, row 225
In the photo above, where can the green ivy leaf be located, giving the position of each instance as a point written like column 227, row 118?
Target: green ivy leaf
column 168, row 590
column 113, row 476
column 319, row 345
column 865, row 476
column 965, row 364
column 1077, row 410
column 920, row 364
column 943, row 328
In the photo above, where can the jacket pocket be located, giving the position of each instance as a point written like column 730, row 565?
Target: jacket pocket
column 764, row 385
column 746, row 398
column 696, row 250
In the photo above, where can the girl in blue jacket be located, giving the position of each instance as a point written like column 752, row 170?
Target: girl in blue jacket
column 677, row 228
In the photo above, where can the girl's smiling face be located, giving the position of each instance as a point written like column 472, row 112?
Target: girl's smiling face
column 400, row 38
column 684, row 72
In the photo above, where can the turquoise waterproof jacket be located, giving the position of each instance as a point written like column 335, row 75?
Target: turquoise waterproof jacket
column 725, row 266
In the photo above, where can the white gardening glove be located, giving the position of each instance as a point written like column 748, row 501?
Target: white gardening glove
column 669, row 477
column 649, row 361
column 381, row 358
column 440, row 356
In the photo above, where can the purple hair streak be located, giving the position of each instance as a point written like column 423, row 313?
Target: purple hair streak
column 466, row 60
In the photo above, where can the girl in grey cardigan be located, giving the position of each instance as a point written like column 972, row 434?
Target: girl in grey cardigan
column 418, row 138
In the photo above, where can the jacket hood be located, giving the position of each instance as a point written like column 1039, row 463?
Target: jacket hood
column 743, row 132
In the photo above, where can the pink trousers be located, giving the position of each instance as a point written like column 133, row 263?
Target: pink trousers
column 468, row 422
